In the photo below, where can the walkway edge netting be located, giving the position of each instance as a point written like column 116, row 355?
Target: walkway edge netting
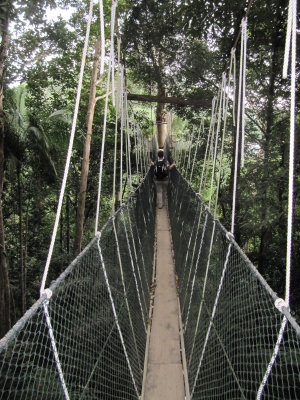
column 238, row 344
column 85, row 337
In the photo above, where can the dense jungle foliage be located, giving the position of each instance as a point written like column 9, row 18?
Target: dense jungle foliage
column 174, row 48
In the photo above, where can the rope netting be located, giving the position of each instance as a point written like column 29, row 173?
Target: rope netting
column 85, row 337
column 230, row 320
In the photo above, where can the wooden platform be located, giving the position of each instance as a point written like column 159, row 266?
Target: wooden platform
column 164, row 378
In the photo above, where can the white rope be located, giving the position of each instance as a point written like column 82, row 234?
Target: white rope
column 190, row 149
column 116, row 317
column 237, row 140
column 48, row 293
column 136, row 257
column 102, row 36
column 201, row 131
column 233, row 58
column 216, row 141
column 133, row 271
column 244, row 38
column 104, row 127
column 193, row 255
column 212, row 315
column 195, row 272
column 291, row 36
column 69, row 154
column 223, row 135
column 112, row 51
column 292, row 21
column 128, row 141
column 273, row 359
column 121, row 131
column 208, row 142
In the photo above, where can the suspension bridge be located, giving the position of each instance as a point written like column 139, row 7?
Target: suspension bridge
column 162, row 303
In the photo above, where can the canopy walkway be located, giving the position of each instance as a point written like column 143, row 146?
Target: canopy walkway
column 155, row 311
column 86, row 337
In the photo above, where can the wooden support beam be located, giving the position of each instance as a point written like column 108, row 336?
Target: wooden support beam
column 196, row 102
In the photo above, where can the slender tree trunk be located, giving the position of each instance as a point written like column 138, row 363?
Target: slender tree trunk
column 21, row 260
column 86, row 153
column 265, row 232
column 5, row 319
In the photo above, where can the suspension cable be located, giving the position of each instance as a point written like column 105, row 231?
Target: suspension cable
column 69, row 154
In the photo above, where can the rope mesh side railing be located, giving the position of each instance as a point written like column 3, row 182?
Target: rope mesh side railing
column 94, row 360
column 230, row 321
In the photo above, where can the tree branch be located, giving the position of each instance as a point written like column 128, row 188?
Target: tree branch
column 196, row 102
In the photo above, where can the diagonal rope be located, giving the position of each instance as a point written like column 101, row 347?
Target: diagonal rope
column 291, row 36
column 116, row 316
column 69, row 154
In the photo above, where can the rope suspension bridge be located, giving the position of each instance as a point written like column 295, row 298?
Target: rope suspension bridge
column 92, row 333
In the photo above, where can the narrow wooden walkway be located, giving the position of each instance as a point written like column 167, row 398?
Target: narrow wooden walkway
column 164, row 379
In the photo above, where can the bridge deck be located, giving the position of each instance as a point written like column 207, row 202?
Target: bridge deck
column 164, row 379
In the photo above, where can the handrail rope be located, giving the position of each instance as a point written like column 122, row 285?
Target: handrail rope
column 133, row 270
column 125, row 293
column 104, row 129
column 48, row 293
column 244, row 38
column 102, row 37
column 291, row 36
column 116, row 316
column 69, row 154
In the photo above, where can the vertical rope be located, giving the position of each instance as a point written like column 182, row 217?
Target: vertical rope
column 102, row 36
column 233, row 57
column 244, row 38
column 291, row 35
column 237, row 140
column 292, row 22
column 201, row 131
column 133, row 270
column 69, row 154
column 112, row 51
column 104, row 133
column 207, row 143
column 53, row 345
column 116, row 316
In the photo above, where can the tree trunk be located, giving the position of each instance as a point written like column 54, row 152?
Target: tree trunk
column 265, row 231
column 86, row 153
column 5, row 319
